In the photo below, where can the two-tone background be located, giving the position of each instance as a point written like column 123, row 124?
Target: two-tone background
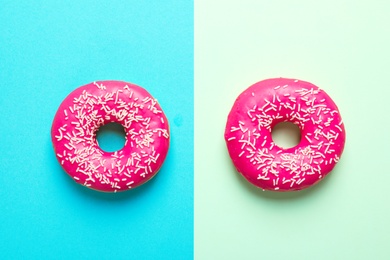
column 195, row 57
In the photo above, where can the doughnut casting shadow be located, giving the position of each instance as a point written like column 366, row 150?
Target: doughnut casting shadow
column 254, row 153
column 97, row 104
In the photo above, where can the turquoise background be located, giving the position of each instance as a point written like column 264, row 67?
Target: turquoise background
column 49, row 48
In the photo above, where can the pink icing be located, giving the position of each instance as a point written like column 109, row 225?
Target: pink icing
column 263, row 105
column 86, row 109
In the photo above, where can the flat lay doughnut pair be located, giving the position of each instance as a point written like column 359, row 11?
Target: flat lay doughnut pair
column 248, row 135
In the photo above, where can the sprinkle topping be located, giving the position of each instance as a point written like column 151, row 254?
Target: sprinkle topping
column 93, row 105
column 259, row 159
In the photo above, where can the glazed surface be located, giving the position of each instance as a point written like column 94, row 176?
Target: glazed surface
column 86, row 109
column 263, row 105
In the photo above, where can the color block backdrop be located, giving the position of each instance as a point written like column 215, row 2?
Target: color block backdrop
column 47, row 49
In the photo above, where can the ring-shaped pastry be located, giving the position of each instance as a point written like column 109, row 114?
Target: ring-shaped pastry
column 256, row 156
column 91, row 106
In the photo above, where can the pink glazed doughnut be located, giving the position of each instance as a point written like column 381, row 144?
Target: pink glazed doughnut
column 249, row 142
column 86, row 109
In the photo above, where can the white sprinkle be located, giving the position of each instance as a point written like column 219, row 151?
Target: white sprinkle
column 319, row 111
column 270, row 108
column 116, row 95
column 146, row 100
column 231, row 138
column 241, row 154
column 334, row 111
column 249, row 114
column 243, row 129
column 59, row 137
column 262, row 177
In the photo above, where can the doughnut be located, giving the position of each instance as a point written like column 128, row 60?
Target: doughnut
column 91, row 106
column 269, row 102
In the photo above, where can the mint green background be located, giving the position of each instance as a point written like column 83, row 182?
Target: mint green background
column 341, row 46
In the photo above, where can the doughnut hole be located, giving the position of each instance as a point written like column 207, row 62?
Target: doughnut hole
column 286, row 135
column 111, row 137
